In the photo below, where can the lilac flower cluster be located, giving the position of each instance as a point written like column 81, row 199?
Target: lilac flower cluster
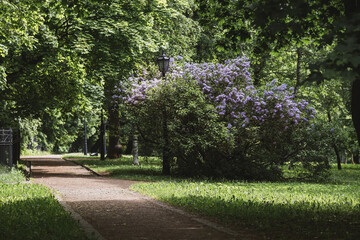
column 137, row 89
column 224, row 84
column 278, row 103
column 230, row 89
column 140, row 89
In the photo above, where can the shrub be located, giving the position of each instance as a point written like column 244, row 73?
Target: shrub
column 219, row 124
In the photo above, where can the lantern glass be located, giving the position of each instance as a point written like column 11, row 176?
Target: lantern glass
column 163, row 62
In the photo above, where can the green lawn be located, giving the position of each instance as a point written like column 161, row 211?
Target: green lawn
column 149, row 169
column 278, row 210
column 30, row 211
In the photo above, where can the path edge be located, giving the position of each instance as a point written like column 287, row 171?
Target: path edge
column 194, row 216
column 89, row 230
column 81, row 165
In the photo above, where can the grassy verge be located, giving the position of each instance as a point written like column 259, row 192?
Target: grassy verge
column 287, row 210
column 30, row 211
column 149, row 170
column 306, row 210
column 8, row 176
column 281, row 210
column 29, row 152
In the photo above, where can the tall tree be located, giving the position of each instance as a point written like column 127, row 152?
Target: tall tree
column 41, row 66
column 350, row 42
column 125, row 34
column 275, row 24
column 324, row 21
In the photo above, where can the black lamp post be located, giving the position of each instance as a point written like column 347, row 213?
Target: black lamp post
column 163, row 62
column 102, row 137
column 85, row 138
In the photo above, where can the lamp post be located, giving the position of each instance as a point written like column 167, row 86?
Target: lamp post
column 85, row 138
column 102, row 137
column 163, row 62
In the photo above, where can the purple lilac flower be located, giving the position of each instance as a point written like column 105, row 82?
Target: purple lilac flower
column 229, row 87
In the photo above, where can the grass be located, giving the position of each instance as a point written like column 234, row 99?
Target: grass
column 30, row 152
column 277, row 210
column 306, row 210
column 10, row 175
column 149, row 170
column 30, row 211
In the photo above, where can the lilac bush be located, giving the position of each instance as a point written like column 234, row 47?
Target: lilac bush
column 230, row 89
column 263, row 120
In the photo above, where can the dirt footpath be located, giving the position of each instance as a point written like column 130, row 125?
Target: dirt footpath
column 115, row 212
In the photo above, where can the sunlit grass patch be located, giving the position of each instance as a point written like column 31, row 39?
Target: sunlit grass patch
column 297, row 209
column 8, row 175
column 350, row 174
column 327, row 209
column 34, row 152
column 30, row 211
column 148, row 170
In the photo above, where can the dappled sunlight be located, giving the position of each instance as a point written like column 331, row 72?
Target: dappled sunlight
column 123, row 168
column 109, row 206
column 315, row 210
column 48, row 167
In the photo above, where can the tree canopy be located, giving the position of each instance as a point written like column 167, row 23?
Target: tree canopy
column 62, row 61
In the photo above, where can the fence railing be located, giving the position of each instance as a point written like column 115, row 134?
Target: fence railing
column 6, row 147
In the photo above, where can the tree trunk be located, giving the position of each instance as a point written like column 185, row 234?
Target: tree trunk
column 352, row 7
column 356, row 158
column 352, row 159
column 259, row 66
column 345, row 159
column 129, row 146
column 16, row 146
column 338, row 157
column 114, row 129
column 85, row 138
column 355, row 107
column 298, row 71
column 135, row 150
column 166, row 152
column 102, row 138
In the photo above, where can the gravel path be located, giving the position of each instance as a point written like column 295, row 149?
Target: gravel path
column 108, row 206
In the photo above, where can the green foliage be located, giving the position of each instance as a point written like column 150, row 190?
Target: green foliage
column 286, row 210
column 220, row 125
column 60, row 61
column 193, row 124
column 332, row 99
column 326, row 32
column 63, row 58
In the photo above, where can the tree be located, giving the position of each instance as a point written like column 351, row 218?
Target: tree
column 126, row 34
column 43, row 71
column 53, row 53
column 275, row 24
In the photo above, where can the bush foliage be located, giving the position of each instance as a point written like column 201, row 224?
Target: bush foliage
column 220, row 124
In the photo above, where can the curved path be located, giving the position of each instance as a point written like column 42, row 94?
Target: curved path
column 108, row 206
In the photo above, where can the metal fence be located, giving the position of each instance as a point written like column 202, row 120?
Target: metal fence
column 6, row 147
